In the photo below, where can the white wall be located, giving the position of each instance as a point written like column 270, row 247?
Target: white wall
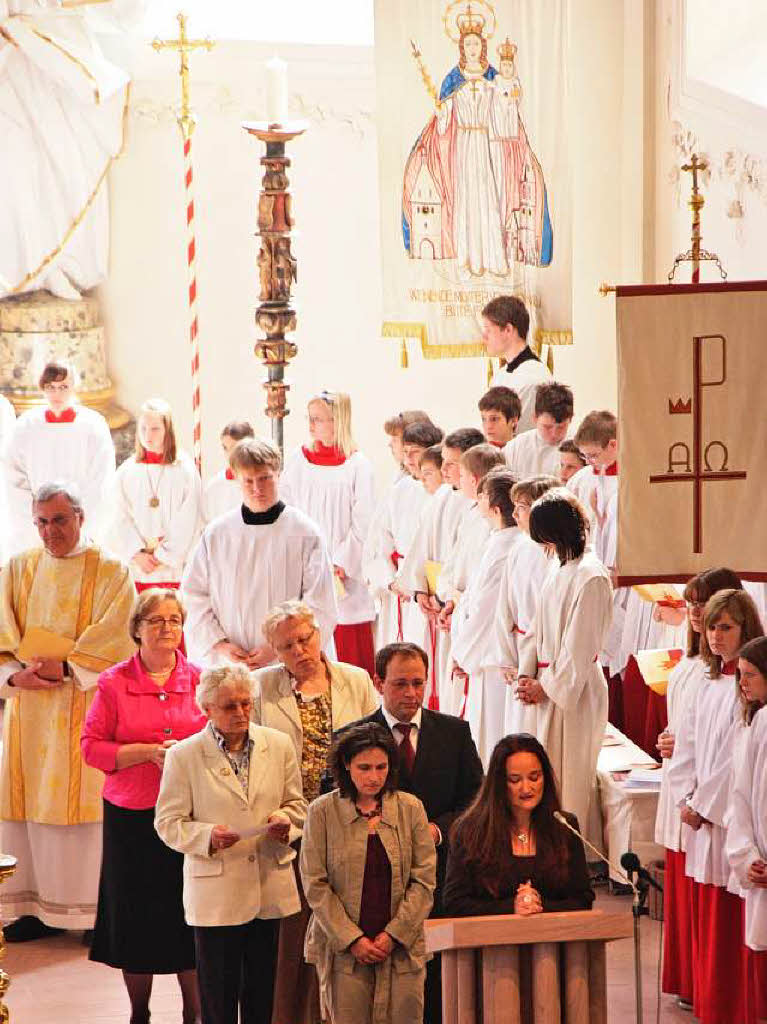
column 335, row 186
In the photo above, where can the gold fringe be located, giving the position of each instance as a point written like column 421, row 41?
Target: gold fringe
column 546, row 337
column 464, row 350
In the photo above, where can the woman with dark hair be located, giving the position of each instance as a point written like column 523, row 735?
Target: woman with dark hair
column 684, row 682
column 368, row 865
column 508, row 853
column 558, row 670
column 700, row 776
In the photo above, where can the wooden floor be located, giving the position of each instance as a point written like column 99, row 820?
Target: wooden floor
column 53, row 982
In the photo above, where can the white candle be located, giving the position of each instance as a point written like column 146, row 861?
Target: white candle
column 276, row 91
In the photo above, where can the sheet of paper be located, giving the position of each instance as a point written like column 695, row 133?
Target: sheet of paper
column 251, row 833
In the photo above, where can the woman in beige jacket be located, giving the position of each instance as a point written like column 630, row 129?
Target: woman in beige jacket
column 368, row 866
column 308, row 698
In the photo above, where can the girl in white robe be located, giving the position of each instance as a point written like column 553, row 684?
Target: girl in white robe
column 157, row 512
column 222, row 493
column 700, row 777
column 62, row 441
column 332, row 482
column 558, row 670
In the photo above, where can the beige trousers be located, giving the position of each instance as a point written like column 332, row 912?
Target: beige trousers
column 360, row 997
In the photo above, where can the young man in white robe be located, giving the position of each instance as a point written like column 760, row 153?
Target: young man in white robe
column 62, row 441
column 505, row 325
column 471, row 640
column 499, row 409
column 558, row 669
column 64, row 617
column 251, row 559
column 432, row 544
column 157, row 511
column 536, row 452
column 222, row 492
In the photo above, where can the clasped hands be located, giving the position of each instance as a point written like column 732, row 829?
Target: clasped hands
column 529, row 690
column 527, row 900
column 692, row 818
column 757, row 874
column 429, row 605
column 222, row 837
column 39, row 674
column 257, row 657
column 372, row 951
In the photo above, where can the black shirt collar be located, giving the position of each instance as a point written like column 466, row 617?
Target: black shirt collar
column 262, row 518
column 524, row 355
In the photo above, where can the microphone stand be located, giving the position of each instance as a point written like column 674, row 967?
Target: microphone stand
column 639, row 890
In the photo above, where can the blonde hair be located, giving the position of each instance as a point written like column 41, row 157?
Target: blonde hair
column 339, row 405
column 214, row 678
column 481, row 458
column 284, row 612
column 158, row 407
column 147, row 601
column 253, row 453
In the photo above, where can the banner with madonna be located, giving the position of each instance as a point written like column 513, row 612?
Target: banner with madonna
column 474, row 168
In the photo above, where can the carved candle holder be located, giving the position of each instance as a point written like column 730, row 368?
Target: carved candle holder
column 277, row 268
column 7, row 867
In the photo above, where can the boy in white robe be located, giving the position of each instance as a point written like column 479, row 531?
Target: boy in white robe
column 536, row 452
column 571, row 462
column 499, row 409
column 63, row 441
column 222, row 492
column 505, row 325
column 251, row 559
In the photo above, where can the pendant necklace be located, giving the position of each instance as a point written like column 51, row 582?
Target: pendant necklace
column 154, row 501
column 375, row 813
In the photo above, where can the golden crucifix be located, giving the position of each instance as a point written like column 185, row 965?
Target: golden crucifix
column 696, row 203
column 184, row 45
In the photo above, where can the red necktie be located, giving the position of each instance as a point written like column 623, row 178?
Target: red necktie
column 406, row 751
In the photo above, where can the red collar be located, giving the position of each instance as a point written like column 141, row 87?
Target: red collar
column 322, row 455
column 612, row 470
column 229, row 474
column 68, row 416
column 153, row 458
column 729, row 668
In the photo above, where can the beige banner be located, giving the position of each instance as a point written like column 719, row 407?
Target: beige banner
column 692, row 362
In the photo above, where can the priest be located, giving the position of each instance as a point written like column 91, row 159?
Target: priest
column 250, row 560
column 64, row 612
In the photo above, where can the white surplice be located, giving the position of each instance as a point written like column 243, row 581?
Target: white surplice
column 684, row 681
column 238, row 572
column 747, row 826
column 175, row 522
column 472, row 641
column 528, row 454
column 471, row 538
column 571, row 622
column 39, row 452
column 524, row 379
column 340, row 499
column 700, row 774
column 220, row 495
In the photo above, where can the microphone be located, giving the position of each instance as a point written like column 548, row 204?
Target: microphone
column 631, row 863
column 618, row 871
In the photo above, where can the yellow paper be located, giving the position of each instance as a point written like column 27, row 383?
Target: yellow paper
column 432, row 570
column 41, row 643
column 340, row 588
column 656, row 665
column 659, row 593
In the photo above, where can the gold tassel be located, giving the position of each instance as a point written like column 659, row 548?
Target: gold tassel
column 403, row 360
column 550, row 360
column 489, row 371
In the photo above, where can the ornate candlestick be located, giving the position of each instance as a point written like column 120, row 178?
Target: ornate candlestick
column 276, row 266
column 7, row 867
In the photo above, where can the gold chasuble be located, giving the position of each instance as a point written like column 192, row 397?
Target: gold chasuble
column 87, row 599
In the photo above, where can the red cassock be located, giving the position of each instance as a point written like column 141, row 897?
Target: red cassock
column 678, row 962
column 721, row 995
column 354, row 645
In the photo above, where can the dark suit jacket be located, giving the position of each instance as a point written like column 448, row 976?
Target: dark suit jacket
column 446, row 775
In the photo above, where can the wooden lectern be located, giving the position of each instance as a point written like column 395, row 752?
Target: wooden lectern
column 545, row 969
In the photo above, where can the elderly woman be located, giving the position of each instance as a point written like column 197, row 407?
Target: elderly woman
column 368, row 865
column 231, row 802
column 308, row 698
column 142, row 708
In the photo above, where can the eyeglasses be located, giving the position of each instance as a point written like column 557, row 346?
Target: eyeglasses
column 59, row 388
column 158, row 621
column 296, row 642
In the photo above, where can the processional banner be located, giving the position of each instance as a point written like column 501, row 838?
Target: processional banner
column 692, row 430
column 474, row 167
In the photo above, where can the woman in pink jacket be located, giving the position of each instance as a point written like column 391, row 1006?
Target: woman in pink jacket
column 143, row 706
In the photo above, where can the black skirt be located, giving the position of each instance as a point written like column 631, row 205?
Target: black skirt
column 140, row 924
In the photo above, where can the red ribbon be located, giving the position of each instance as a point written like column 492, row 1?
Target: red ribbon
column 153, row 458
column 322, row 455
column 68, row 416
column 229, row 474
column 396, row 558
column 433, row 704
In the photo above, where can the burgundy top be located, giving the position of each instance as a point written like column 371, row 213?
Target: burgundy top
column 129, row 707
column 375, row 904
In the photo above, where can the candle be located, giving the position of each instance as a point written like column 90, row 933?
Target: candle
column 276, row 91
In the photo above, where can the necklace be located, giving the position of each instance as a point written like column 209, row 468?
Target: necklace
column 154, row 501
column 367, row 815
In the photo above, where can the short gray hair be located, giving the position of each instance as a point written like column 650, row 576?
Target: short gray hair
column 48, row 491
column 214, row 678
column 284, row 612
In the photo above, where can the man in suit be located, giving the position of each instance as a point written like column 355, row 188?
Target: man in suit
column 438, row 762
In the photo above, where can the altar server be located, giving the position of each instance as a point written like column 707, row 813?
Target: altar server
column 505, row 325
column 470, row 638
column 222, row 492
column 157, row 502
column 700, row 777
column 500, row 409
column 62, row 441
column 558, row 670
column 251, row 559
column 570, row 462
column 333, row 483
column 521, row 583
column 64, row 612
column 536, row 451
